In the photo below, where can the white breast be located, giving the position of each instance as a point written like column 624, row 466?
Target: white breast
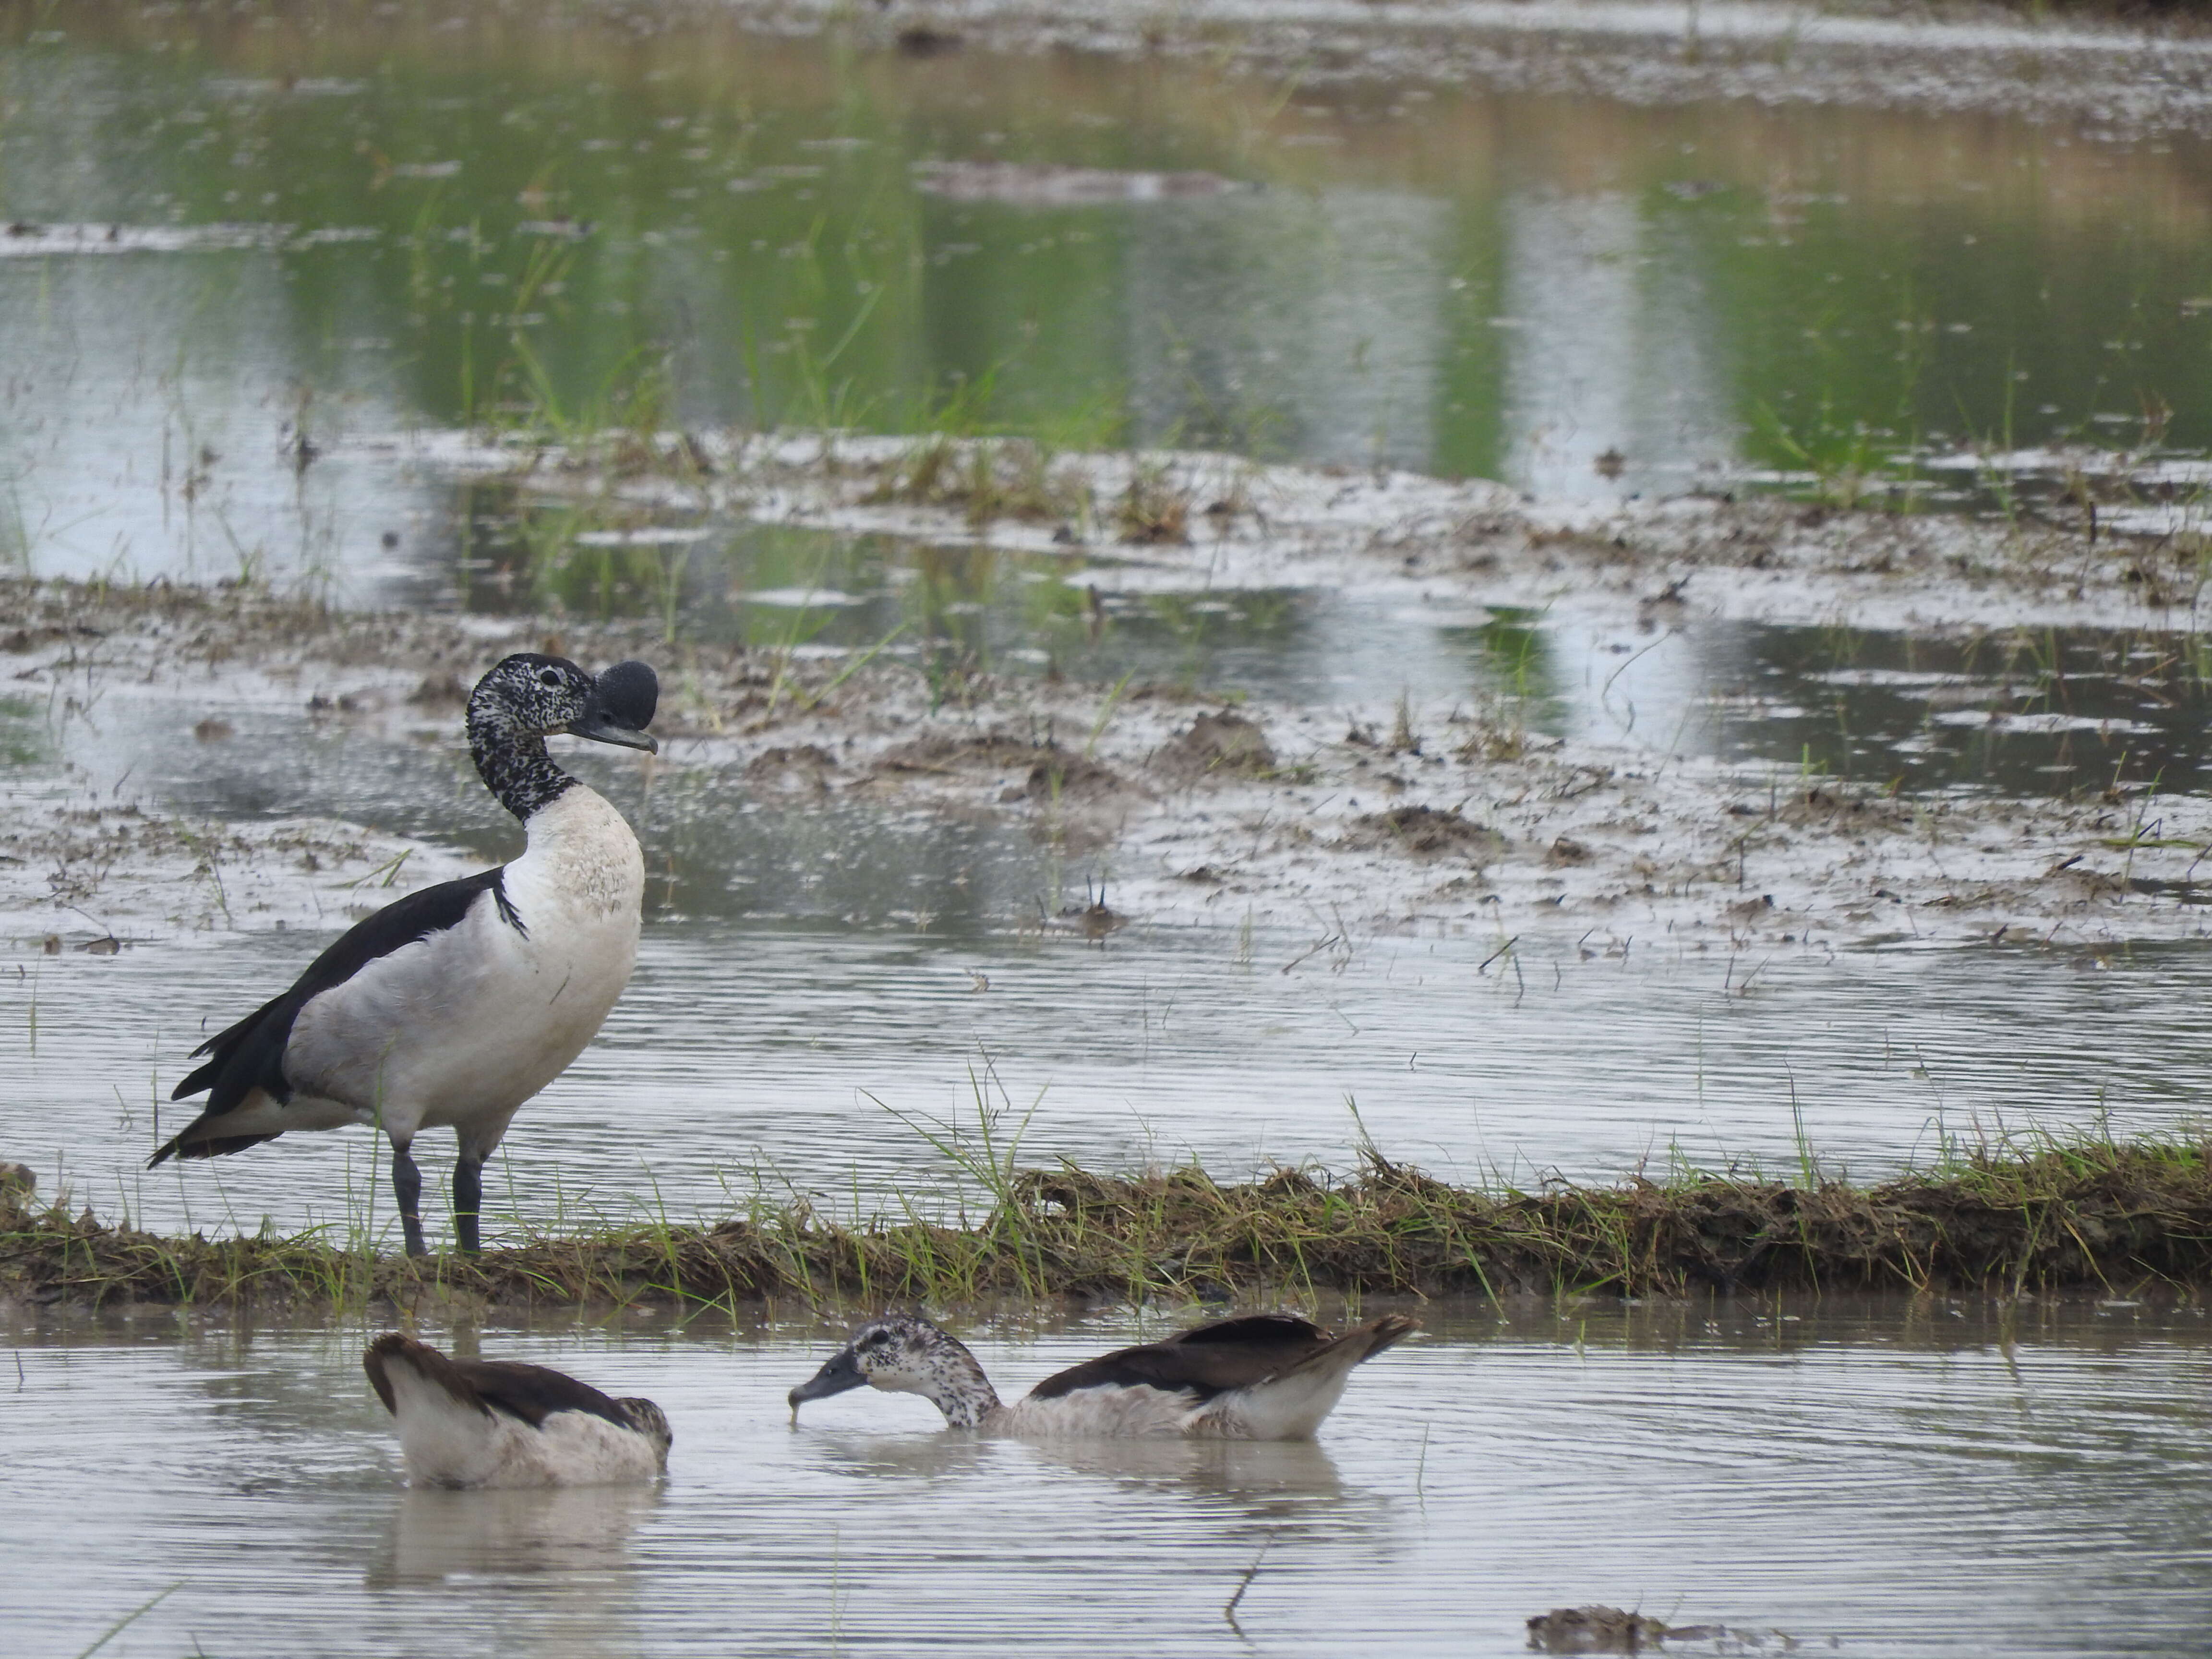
column 460, row 1028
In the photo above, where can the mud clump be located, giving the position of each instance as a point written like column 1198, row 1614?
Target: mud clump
column 1051, row 772
column 17, row 642
column 947, row 755
column 803, row 768
column 1426, row 832
column 1062, row 777
column 1600, row 1628
column 439, row 691
column 1834, row 809
column 1594, row 1630
column 19, row 1186
column 1218, row 746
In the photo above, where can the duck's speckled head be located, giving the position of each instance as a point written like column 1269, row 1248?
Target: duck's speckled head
column 529, row 694
column 905, row 1354
column 649, row 1420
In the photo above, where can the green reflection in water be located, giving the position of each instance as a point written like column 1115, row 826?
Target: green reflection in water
column 951, row 609
column 25, row 739
column 571, row 220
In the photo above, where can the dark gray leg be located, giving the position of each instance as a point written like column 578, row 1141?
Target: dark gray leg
column 468, row 1202
column 407, row 1187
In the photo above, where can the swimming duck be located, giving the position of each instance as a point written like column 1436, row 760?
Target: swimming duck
column 1267, row 1377
column 500, row 1423
column 451, row 1007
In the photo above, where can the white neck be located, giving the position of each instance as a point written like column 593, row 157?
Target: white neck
column 582, row 852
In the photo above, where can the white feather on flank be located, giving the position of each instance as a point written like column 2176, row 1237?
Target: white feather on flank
column 1287, row 1408
column 1292, row 1407
column 1116, row 1411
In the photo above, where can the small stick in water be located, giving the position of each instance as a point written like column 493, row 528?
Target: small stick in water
column 1229, row 1608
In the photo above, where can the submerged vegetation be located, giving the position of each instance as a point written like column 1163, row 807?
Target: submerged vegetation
column 2052, row 1216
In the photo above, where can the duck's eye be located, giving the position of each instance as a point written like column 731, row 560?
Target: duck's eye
column 547, row 678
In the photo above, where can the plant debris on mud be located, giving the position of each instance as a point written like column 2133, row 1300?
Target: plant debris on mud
column 1469, row 826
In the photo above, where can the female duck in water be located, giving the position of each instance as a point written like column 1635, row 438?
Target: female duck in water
column 453, row 1007
column 497, row 1422
column 1265, row 1377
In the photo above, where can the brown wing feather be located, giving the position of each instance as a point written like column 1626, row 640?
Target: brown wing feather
column 1208, row 1360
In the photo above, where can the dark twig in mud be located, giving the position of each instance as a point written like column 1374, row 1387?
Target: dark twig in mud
column 2053, row 1215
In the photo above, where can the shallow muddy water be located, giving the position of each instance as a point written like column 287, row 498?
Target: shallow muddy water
column 227, row 234
column 764, row 1062
column 1879, row 1478
column 2016, row 711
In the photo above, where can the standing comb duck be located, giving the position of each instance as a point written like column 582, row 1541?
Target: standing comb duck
column 453, row 1007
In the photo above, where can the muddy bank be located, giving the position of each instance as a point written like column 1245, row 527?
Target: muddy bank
column 2095, row 1216
column 1164, row 803
column 2124, row 69
column 2101, row 539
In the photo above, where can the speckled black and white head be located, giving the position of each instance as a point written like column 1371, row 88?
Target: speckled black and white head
column 649, row 1420
column 906, row 1354
column 527, row 698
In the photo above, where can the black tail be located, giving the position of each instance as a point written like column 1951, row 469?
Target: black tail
column 211, row 1147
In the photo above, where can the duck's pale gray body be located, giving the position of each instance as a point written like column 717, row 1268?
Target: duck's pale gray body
column 492, row 1009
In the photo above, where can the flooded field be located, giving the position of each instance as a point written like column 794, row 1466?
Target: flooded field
column 234, row 243
column 828, row 977
column 1109, row 718
column 1865, row 1479
column 251, row 262
column 424, row 230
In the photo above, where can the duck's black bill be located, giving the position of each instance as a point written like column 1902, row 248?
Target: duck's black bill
column 840, row 1374
column 622, row 705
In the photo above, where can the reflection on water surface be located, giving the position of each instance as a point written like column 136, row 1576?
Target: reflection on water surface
column 1896, row 1478
column 370, row 223
column 573, row 222
column 2014, row 711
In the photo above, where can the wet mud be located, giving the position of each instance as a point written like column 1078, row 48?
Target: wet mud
column 2131, row 69
column 1186, row 806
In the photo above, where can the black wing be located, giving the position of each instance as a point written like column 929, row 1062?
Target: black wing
column 529, row 1393
column 250, row 1055
column 533, row 1393
column 1208, row 1360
